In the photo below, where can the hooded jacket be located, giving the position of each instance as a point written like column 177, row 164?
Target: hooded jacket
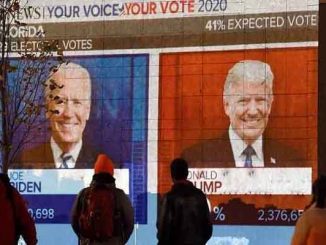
column 123, row 204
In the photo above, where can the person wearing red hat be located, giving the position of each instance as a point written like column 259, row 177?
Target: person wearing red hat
column 103, row 164
column 103, row 198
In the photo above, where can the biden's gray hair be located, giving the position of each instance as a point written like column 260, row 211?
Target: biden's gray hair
column 66, row 67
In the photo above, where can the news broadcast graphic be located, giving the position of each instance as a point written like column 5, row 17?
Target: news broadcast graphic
column 231, row 86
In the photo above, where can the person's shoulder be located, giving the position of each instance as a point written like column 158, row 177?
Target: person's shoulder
column 84, row 190
column 307, row 216
column 314, row 212
column 186, row 193
column 184, row 189
column 119, row 191
column 196, row 189
column 198, row 192
column 122, row 200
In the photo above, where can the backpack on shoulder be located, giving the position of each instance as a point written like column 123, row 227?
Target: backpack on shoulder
column 98, row 213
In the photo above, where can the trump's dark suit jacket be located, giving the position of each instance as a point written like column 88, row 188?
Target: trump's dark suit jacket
column 217, row 153
column 41, row 157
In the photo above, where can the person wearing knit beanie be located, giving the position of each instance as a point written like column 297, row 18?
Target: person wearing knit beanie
column 103, row 187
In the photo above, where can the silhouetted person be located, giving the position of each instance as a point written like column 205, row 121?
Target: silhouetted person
column 311, row 226
column 102, row 214
column 15, row 220
column 184, row 217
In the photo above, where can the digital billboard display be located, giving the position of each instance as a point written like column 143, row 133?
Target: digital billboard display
column 230, row 86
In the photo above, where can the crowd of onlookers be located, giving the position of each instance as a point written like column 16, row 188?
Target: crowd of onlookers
column 102, row 214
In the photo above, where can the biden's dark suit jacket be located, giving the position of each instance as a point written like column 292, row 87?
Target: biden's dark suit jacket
column 41, row 157
column 217, row 153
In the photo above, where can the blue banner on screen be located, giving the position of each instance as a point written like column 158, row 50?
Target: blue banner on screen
column 50, row 208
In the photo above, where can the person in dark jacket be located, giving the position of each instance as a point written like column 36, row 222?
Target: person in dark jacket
column 184, row 217
column 15, row 220
column 310, row 228
column 123, row 227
